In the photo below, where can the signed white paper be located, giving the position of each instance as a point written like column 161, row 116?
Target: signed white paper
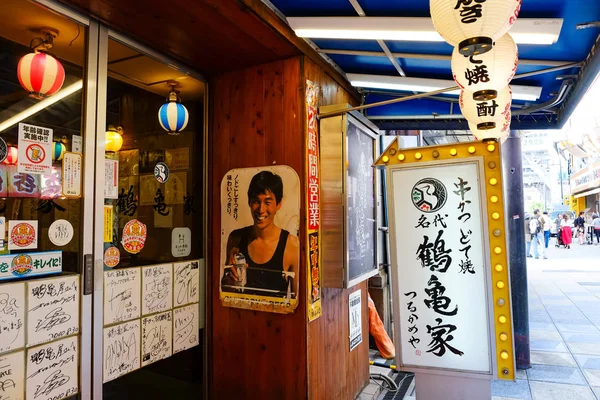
column 12, row 376
column 157, row 337
column 122, row 295
column 52, row 370
column 53, row 309
column 185, row 328
column 12, row 317
column 121, row 349
column 157, row 288
column 187, row 281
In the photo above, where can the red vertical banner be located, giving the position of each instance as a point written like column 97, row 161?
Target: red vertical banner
column 313, row 197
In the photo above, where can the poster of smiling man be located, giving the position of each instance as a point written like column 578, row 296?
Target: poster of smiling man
column 260, row 252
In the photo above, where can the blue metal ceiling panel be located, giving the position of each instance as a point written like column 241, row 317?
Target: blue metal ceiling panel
column 573, row 45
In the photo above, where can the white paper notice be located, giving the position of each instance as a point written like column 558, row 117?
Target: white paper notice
column 187, row 281
column 53, row 309
column 12, row 317
column 157, row 337
column 157, row 288
column 121, row 349
column 111, row 179
column 185, row 328
column 77, row 143
column 355, row 319
column 12, row 376
column 122, row 295
column 72, row 164
column 52, row 370
column 35, row 150
column 22, row 235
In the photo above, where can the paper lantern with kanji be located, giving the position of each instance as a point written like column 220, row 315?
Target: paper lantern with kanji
column 473, row 25
column 486, row 114
column 485, row 74
column 40, row 74
column 500, row 132
column 11, row 157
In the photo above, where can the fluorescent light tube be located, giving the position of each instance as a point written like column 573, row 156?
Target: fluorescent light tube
column 34, row 109
column 422, row 85
column 539, row 31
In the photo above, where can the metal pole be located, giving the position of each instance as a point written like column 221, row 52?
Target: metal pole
column 512, row 162
column 439, row 91
column 562, row 195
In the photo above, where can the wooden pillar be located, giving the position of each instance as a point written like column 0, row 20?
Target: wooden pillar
column 257, row 118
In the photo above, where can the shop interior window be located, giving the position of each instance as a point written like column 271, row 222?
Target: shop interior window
column 41, row 72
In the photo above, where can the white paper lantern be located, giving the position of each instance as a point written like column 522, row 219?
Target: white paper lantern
column 487, row 114
column 501, row 132
column 473, row 25
column 485, row 74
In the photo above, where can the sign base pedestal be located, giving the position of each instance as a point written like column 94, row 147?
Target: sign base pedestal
column 443, row 387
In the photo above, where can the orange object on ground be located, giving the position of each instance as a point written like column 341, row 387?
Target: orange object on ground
column 376, row 329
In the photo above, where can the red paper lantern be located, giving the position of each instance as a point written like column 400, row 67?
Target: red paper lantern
column 40, row 74
column 11, row 157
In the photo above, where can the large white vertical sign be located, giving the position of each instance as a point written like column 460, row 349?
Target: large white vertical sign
column 441, row 262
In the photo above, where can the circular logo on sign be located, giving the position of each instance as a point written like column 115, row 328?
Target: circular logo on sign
column 21, row 265
column 429, row 195
column 35, row 153
column 134, row 236
column 112, row 257
column 161, row 172
column 60, row 232
column 23, row 234
column 3, row 150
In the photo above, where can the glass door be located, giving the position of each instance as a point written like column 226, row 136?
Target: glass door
column 46, row 202
column 149, row 231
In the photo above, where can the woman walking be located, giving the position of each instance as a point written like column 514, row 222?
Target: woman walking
column 566, row 231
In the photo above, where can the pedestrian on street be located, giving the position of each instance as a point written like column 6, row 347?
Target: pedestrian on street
column 535, row 229
column 546, row 225
column 527, row 233
column 596, row 224
column 580, row 227
column 566, row 231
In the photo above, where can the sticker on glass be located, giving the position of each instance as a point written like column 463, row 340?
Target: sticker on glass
column 181, row 242
column 161, row 172
column 134, row 236
column 60, row 232
column 22, row 235
column 112, row 257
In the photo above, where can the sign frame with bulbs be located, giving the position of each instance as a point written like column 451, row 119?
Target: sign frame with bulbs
column 484, row 159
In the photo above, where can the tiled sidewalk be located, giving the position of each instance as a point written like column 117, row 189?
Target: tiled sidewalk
column 564, row 315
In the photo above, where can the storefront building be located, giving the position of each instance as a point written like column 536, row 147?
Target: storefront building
column 585, row 187
column 121, row 123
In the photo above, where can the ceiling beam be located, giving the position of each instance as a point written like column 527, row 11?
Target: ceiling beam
column 436, row 57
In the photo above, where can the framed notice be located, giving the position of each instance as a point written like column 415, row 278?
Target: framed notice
column 446, row 231
column 111, row 179
column 72, row 175
column 349, row 192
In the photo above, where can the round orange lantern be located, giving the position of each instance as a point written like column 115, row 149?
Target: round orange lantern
column 11, row 156
column 40, row 74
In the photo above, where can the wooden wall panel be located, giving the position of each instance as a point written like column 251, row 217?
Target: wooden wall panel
column 334, row 372
column 256, row 121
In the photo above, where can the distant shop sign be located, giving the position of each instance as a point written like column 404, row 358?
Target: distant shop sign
column 588, row 178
